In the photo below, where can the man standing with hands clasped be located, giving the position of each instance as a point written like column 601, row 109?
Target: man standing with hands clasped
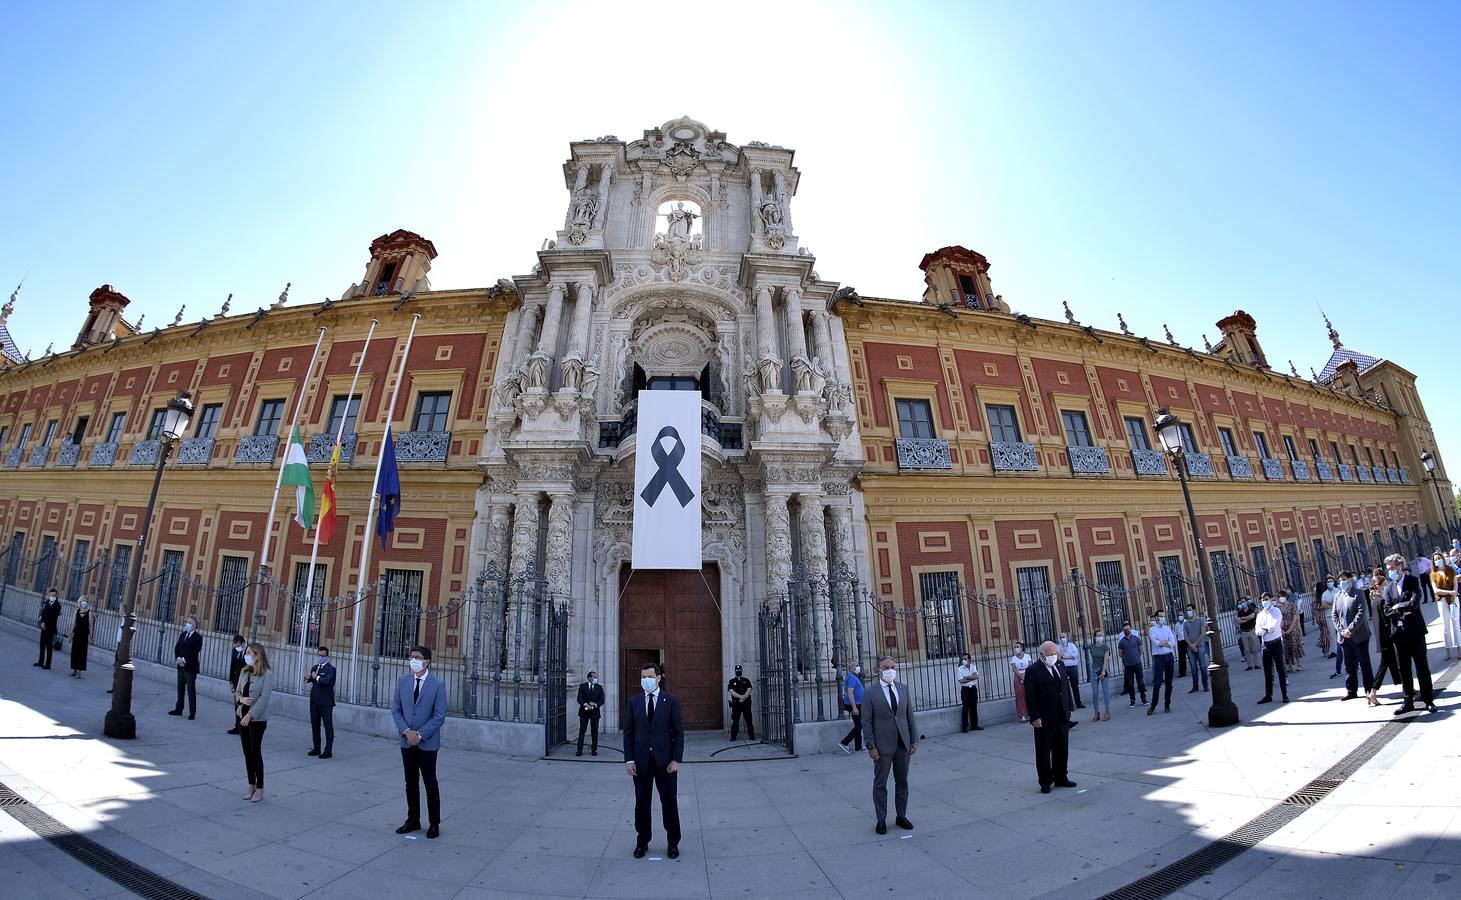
column 1050, row 712
column 738, row 691
column 590, row 701
column 321, row 681
column 968, row 677
column 892, row 738
column 654, row 747
column 1163, row 642
column 187, row 649
column 419, row 709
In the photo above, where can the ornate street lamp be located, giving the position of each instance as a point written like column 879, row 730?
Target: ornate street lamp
column 1430, row 469
column 1223, row 711
column 120, row 723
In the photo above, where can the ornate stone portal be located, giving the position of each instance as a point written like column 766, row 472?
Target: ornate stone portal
column 678, row 266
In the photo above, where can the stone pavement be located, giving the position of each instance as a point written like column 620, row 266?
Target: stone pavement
column 1152, row 789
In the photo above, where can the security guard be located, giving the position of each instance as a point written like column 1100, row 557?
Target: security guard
column 738, row 691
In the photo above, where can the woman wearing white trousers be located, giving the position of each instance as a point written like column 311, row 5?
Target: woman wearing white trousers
column 1443, row 583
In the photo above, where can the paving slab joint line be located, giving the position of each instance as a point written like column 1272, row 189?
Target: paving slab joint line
column 1248, row 835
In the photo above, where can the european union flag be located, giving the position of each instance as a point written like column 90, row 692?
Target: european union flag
column 388, row 488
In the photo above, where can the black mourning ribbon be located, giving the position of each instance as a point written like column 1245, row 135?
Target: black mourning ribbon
column 668, row 472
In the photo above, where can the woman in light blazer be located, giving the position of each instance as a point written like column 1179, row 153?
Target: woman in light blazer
column 253, row 691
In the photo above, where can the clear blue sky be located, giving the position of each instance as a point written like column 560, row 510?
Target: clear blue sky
column 1170, row 161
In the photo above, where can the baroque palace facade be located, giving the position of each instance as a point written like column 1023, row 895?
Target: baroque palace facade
column 908, row 442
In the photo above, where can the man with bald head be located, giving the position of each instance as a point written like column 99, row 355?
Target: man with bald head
column 1048, row 703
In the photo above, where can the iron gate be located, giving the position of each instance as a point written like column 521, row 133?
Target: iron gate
column 555, row 673
column 778, row 669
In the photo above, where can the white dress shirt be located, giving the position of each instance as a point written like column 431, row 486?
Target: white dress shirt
column 1069, row 654
column 1270, row 623
column 964, row 671
column 1161, row 633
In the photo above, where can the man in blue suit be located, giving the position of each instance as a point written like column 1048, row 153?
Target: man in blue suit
column 419, row 708
column 654, row 747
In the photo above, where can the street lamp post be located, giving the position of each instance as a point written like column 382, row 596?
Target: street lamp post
column 1429, row 461
column 1223, row 711
column 120, row 723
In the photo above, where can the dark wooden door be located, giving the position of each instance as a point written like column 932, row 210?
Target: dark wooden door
column 673, row 618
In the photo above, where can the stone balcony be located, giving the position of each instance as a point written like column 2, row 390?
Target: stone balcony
column 1149, row 462
column 257, row 448
column 423, row 446
column 196, row 452
column 923, row 453
column 1239, row 467
column 103, row 455
column 727, row 435
column 1199, row 465
column 1089, row 460
column 1013, row 456
column 1273, row 470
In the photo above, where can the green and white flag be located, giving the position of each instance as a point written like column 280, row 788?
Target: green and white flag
column 296, row 472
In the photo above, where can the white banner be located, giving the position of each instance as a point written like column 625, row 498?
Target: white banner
column 667, row 481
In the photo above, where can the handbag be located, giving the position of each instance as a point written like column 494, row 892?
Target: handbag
column 56, row 641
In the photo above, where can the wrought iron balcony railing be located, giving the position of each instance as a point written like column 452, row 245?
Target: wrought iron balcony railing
column 1346, row 472
column 423, row 446
column 1273, row 470
column 257, row 448
column 12, row 459
column 1392, row 476
column 103, row 455
column 1013, row 456
column 1089, row 460
column 1301, row 469
column 322, row 445
column 923, row 453
column 1240, row 467
column 196, row 452
column 1325, row 472
column 1379, row 474
column 1405, row 476
column 1199, row 465
column 1149, row 462
column 69, row 455
column 37, row 458
column 1364, row 473
column 144, row 453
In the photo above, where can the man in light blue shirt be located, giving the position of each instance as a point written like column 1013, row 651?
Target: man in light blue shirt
column 1163, row 643
column 852, row 702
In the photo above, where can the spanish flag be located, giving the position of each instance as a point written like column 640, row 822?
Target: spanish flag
column 326, row 527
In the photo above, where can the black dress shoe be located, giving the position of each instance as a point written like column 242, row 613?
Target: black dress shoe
column 640, row 851
column 1263, row 701
column 174, row 712
column 1073, row 724
column 1407, row 708
column 1044, row 788
column 579, row 753
column 1066, row 783
column 229, row 731
column 882, row 827
column 593, row 753
column 1349, row 696
column 673, row 853
column 39, row 665
column 433, row 832
column 313, row 753
column 326, row 755
column 192, row 716
column 978, row 727
column 1431, row 707
column 902, row 822
column 408, row 827
column 1194, row 690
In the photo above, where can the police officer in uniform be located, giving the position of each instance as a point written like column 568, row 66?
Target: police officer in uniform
column 738, row 691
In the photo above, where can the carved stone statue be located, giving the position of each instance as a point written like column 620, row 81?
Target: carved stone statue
column 750, row 377
column 801, row 368
column 695, row 243
column 589, row 381
column 771, row 214
column 572, row 370
column 585, row 207
column 727, row 381
column 536, row 370
column 680, row 220
column 509, row 388
column 770, row 370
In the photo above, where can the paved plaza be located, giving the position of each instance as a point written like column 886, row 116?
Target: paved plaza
column 1151, row 790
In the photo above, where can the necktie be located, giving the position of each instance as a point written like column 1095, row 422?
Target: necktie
column 650, row 714
column 416, row 692
column 893, row 700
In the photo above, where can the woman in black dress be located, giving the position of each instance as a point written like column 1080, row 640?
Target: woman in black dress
column 1383, row 638
column 80, row 637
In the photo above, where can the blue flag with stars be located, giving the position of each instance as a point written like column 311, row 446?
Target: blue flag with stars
column 388, row 488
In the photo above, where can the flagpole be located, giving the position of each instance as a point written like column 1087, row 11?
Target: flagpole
column 314, row 552
column 274, row 503
column 370, row 514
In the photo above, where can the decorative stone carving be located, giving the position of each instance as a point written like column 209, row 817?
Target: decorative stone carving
column 682, row 159
column 558, row 565
column 537, row 370
column 778, row 544
column 770, row 371
column 585, row 207
column 499, row 529
column 571, row 369
column 524, row 534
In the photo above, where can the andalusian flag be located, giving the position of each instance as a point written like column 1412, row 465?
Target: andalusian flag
column 296, row 472
column 326, row 527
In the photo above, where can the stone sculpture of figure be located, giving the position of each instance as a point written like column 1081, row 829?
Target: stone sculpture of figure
column 801, row 369
column 723, row 356
column 680, row 221
column 571, row 369
column 819, row 377
column 659, row 242
column 509, row 389
column 771, row 214
column 536, row 370
column 585, row 206
column 695, row 241
column 750, row 377
column 589, row 381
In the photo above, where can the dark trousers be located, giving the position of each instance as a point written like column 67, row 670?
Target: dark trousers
column 1161, row 674
column 969, row 696
column 897, row 763
column 1389, row 665
column 420, row 765
column 587, row 722
column 320, row 714
column 856, row 733
column 1134, row 681
column 649, row 778
column 1410, row 654
column 1181, row 656
column 187, row 682
column 252, row 738
column 1052, row 750
column 1357, row 663
column 1072, row 681
column 741, row 711
column 48, row 639
column 1273, row 658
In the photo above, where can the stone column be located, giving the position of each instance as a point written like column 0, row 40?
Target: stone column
column 552, row 317
column 521, row 622
column 523, row 341
column 796, row 338
column 768, row 350
column 756, row 201
column 605, row 178
column 558, row 566
column 778, row 542
column 580, row 181
column 844, row 598
column 499, row 537
column 813, row 531
column 822, row 339
column 784, row 199
column 578, row 326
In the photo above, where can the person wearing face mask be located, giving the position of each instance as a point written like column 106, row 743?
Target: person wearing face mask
column 1070, row 664
column 1293, row 632
column 590, row 701
column 1130, row 648
column 891, row 735
column 967, row 678
column 1247, row 638
column 1270, row 631
column 1402, row 605
column 738, row 692
column 1163, row 644
column 235, row 667
column 1384, row 641
column 654, row 749
column 1321, row 604
column 321, row 681
column 49, row 622
column 1194, row 630
column 186, row 651
column 419, row 710
column 852, row 693
column 80, row 637
column 254, row 691
column 1443, row 585
column 1349, row 620
column 1099, row 656
column 1049, row 703
column 1019, row 662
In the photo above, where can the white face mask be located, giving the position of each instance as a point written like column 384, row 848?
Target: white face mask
column 188, row 627
column 592, row 680
column 890, row 676
column 857, row 670
column 321, row 660
column 1064, row 639
column 1099, row 636
column 1052, row 659
column 248, row 659
column 649, row 684
column 83, row 604
column 417, row 665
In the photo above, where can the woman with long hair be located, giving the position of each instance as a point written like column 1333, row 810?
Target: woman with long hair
column 1293, row 633
column 253, row 692
column 1383, row 638
column 1319, row 610
column 1019, row 662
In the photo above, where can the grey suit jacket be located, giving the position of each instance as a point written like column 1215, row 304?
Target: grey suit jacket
column 1348, row 614
column 881, row 728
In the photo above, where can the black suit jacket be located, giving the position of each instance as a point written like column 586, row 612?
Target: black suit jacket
column 50, row 615
column 663, row 739
column 1404, row 611
column 322, row 689
column 590, row 693
column 235, row 665
column 188, row 647
column 1046, row 696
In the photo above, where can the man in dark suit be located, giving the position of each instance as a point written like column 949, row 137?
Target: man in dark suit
column 185, row 652
column 1351, row 625
column 654, row 747
column 50, row 616
column 235, row 668
column 419, row 710
column 1402, row 606
column 1048, row 703
column 891, row 736
column 590, row 701
column 321, row 681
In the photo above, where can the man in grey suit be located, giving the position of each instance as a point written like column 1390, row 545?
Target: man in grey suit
column 1347, row 615
column 891, row 736
column 419, row 709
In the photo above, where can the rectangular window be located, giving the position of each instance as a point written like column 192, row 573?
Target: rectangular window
column 24, row 434
column 121, row 569
column 271, row 413
column 154, row 427
column 78, row 432
column 1380, row 549
column 167, row 585
column 208, row 420
column 431, row 411
column 400, row 613
column 1111, row 588
column 233, row 579
column 1261, row 440
column 1037, row 607
column 316, row 592
column 915, row 418
column 940, row 593
column 1295, row 571
column 385, row 282
column 1344, row 558
column 1136, row 433
column 344, row 410
column 50, row 433
column 1321, row 558
column 970, row 292
column 1260, row 569
column 45, row 565
column 1230, row 446
column 1222, row 580
column 1189, row 440
column 1314, row 450
column 4, row 433
column 1334, row 445
column 1354, row 454
column 1077, row 429
column 1288, row 444
column 80, row 557
column 1174, row 585
column 1370, row 456
column 1003, row 426
column 114, row 430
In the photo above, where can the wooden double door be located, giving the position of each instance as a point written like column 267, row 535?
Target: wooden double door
column 673, row 618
